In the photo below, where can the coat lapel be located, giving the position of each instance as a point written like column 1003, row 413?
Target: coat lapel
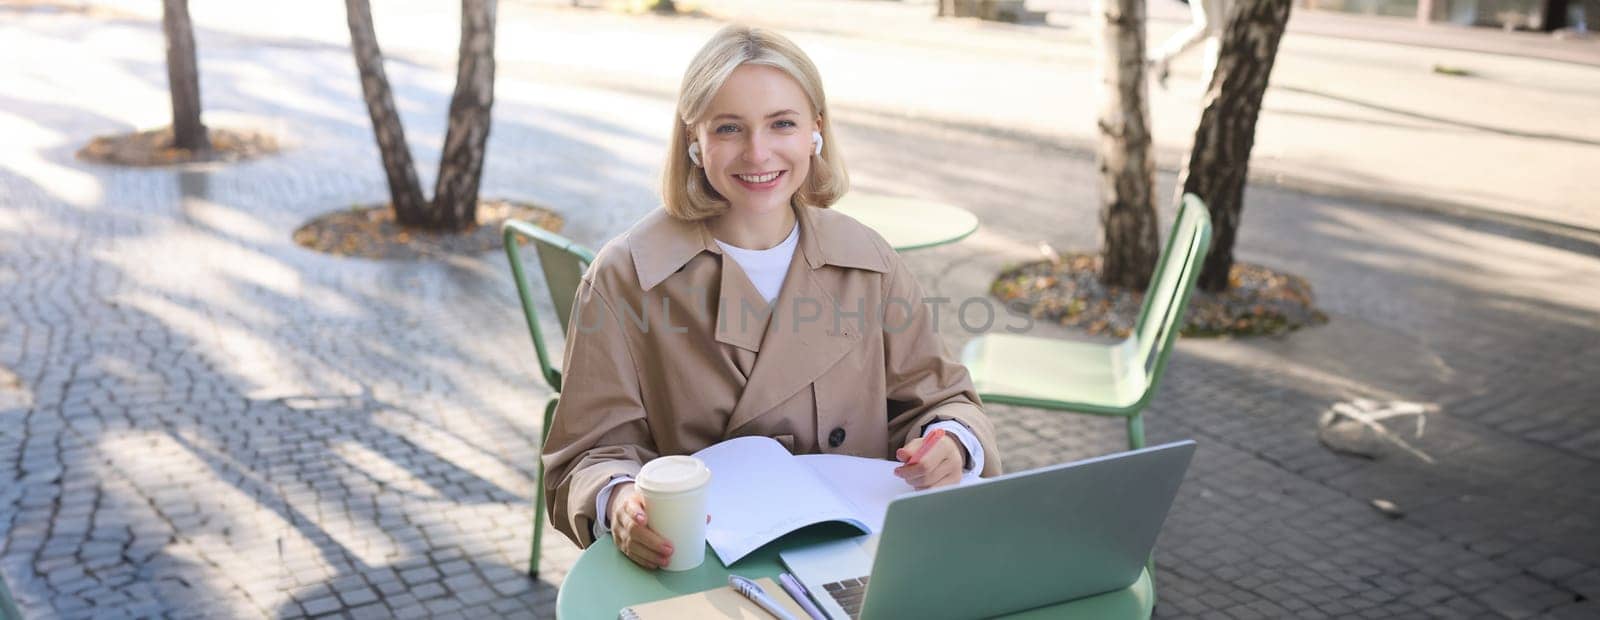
column 741, row 311
column 801, row 341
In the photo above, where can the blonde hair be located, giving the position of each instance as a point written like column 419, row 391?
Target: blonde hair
column 685, row 191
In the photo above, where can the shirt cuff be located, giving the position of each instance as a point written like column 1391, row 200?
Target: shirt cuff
column 967, row 439
column 603, row 499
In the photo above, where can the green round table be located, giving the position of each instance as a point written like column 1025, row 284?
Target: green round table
column 909, row 223
column 603, row 581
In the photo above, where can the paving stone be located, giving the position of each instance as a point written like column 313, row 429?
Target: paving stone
column 475, row 596
column 374, row 611
column 1586, row 583
column 419, row 575
column 428, row 591
column 442, row 605
column 415, row 610
column 316, row 607
column 358, row 596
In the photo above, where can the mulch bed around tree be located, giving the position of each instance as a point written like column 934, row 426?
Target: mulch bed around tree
column 1259, row 301
column 371, row 232
column 154, row 147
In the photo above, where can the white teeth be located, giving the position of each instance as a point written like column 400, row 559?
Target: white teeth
column 757, row 178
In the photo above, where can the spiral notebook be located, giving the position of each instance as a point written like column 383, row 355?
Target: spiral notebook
column 720, row 602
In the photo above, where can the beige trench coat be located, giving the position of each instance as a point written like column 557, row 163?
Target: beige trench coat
column 666, row 356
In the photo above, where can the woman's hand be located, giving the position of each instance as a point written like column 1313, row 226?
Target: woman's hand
column 939, row 467
column 629, row 529
column 634, row 538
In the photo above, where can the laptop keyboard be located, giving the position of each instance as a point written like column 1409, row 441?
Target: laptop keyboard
column 848, row 594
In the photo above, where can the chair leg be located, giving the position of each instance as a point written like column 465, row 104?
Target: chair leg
column 1150, row 567
column 538, row 494
column 1135, row 431
column 1135, row 442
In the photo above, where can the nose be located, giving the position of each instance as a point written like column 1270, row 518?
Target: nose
column 759, row 149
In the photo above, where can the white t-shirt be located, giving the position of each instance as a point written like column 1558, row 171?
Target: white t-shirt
column 766, row 268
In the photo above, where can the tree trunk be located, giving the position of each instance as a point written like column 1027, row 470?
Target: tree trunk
column 1553, row 17
column 455, row 197
column 183, row 77
column 1220, row 159
column 1127, row 169
column 405, row 191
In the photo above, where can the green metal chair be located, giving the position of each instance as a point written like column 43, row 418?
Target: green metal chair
column 1117, row 379
column 563, row 263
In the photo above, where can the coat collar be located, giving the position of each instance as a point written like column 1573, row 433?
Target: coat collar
column 793, row 352
column 662, row 244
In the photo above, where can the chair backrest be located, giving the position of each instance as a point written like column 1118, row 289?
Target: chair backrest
column 563, row 262
column 1172, row 286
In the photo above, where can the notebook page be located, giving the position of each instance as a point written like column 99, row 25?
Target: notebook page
column 759, row 492
column 866, row 485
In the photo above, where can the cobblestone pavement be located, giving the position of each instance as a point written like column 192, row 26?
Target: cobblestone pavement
column 198, row 418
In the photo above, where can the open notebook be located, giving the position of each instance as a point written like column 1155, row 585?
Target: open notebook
column 759, row 492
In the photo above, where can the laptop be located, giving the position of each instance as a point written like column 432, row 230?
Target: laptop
column 1003, row 544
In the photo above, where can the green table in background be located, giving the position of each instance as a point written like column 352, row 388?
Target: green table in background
column 603, row 581
column 909, row 223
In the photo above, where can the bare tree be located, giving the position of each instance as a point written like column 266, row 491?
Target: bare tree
column 455, row 195
column 455, row 202
column 1127, row 168
column 183, row 76
column 1220, row 159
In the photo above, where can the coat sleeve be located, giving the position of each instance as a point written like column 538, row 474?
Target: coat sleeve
column 599, row 430
column 925, row 384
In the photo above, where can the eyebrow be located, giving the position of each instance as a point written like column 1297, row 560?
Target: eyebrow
column 738, row 118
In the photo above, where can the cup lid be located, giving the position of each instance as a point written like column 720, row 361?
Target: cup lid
column 673, row 474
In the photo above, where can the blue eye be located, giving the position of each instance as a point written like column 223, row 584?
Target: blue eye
column 785, row 124
column 727, row 128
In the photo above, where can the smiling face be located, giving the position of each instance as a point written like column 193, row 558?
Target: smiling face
column 755, row 139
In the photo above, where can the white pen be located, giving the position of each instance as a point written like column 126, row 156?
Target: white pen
column 753, row 591
column 797, row 591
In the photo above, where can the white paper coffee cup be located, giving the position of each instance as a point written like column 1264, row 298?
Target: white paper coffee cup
column 676, row 489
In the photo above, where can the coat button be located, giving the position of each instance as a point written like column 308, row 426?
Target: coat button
column 836, row 438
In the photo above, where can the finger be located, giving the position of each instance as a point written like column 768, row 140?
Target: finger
column 645, row 559
column 946, row 459
column 635, row 506
column 654, row 557
column 640, row 550
column 904, row 454
column 652, row 540
column 923, row 470
column 917, row 479
column 920, row 467
column 909, row 473
column 626, row 513
column 933, row 471
column 647, row 536
column 949, row 478
column 912, row 474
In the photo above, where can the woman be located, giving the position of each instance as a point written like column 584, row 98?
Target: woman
column 745, row 307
